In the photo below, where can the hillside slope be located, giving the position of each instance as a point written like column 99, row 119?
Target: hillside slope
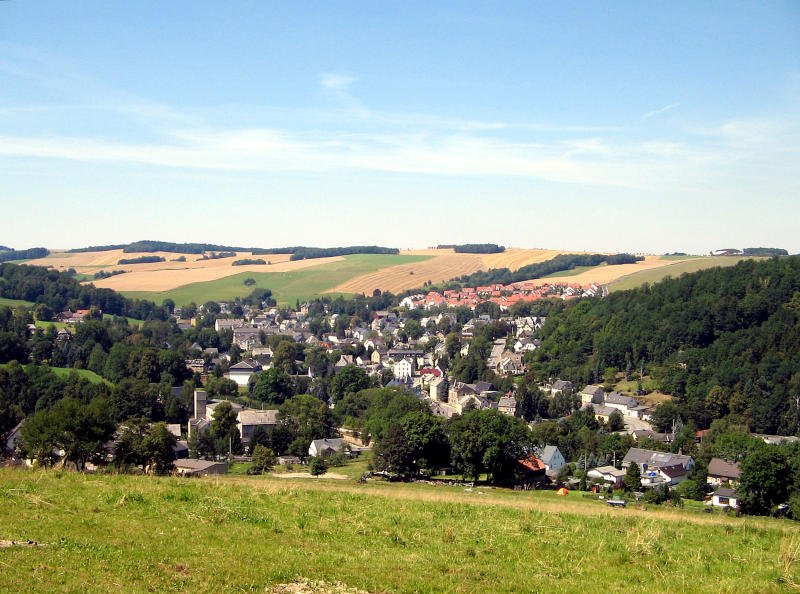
column 735, row 328
column 123, row 533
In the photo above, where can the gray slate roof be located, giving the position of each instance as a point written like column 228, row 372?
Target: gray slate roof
column 655, row 459
column 546, row 454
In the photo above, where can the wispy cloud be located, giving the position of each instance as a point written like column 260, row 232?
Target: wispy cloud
column 659, row 111
column 335, row 81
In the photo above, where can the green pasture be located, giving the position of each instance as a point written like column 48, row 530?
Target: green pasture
column 15, row 303
column 654, row 275
column 67, row 371
column 287, row 287
column 116, row 533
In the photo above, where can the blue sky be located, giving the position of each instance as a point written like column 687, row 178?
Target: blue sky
column 647, row 127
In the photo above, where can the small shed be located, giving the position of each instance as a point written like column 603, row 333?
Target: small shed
column 724, row 497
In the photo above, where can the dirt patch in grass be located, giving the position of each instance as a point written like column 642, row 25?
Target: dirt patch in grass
column 306, row 586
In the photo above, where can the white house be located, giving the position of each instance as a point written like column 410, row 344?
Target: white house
column 725, row 497
column 241, row 372
column 627, row 405
column 552, row 458
column 223, row 324
column 608, row 474
column 323, row 447
column 403, row 369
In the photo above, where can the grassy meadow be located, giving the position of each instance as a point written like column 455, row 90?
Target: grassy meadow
column 287, row 287
column 573, row 272
column 106, row 533
column 673, row 270
column 67, row 371
column 15, row 303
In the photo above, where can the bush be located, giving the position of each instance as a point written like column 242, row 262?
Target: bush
column 263, row 459
column 317, row 466
column 691, row 489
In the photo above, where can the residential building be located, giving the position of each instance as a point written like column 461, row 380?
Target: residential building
column 725, row 497
column 324, row 447
column 241, row 372
column 507, row 405
column 721, row 472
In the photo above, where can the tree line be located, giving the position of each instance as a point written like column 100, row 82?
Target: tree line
column 59, row 291
column 560, row 263
column 473, row 248
column 9, row 254
column 142, row 260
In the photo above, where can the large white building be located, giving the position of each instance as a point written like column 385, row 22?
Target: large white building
column 403, row 369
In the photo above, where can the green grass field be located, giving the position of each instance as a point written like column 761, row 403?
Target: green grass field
column 678, row 258
column 108, row 533
column 58, row 325
column 66, row 372
column 287, row 287
column 574, row 272
column 14, row 303
column 674, row 270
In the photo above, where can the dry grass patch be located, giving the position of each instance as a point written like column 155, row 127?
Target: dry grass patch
column 441, row 267
column 444, row 265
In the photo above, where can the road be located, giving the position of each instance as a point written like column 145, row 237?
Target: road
column 632, row 424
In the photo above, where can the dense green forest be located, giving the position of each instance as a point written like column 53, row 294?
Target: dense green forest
column 473, row 248
column 723, row 341
column 762, row 251
column 58, row 291
column 29, row 254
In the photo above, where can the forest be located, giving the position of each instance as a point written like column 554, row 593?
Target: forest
column 7, row 254
column 57, row 291
column 722, row 341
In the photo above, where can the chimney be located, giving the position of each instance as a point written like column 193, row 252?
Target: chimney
column 199, row 404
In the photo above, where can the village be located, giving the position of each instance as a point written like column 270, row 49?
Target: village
column 415, row 348
column 399, row 348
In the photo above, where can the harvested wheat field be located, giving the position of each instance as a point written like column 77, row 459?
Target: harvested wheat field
column 515, row 258
column 91, row 262
column 163, row 276
column 444, row 265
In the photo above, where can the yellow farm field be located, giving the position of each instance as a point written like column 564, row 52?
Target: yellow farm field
column 163, row 276
column 443, row 266
column 603, row 275
column 409, row 276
